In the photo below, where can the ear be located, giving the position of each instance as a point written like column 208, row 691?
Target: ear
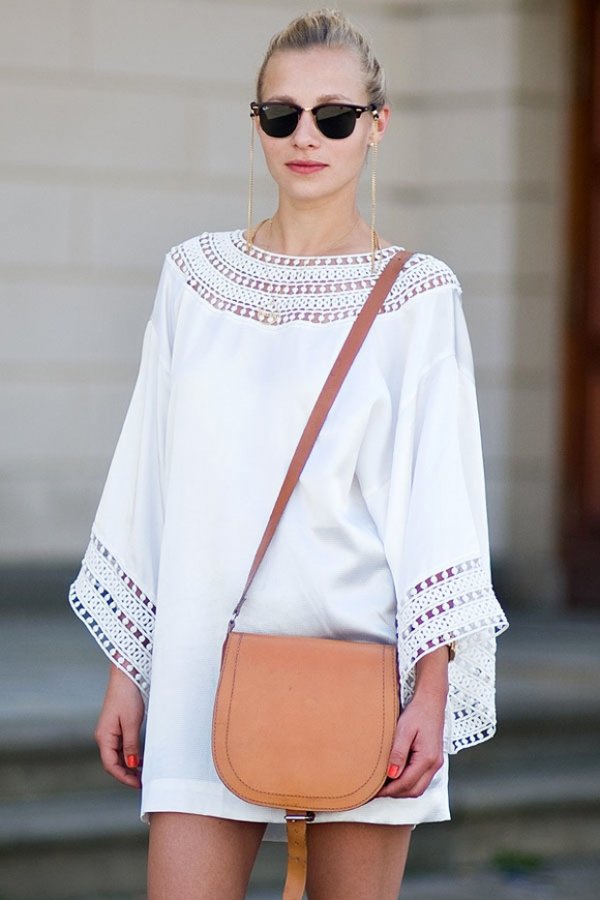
column 380, row 124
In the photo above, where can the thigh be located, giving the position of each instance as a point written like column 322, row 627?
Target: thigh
column 356, row 861
column 193, row 857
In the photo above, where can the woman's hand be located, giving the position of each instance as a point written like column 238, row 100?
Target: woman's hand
column 417, row 751
column 118, row 730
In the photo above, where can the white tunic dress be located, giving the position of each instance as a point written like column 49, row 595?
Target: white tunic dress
column 384, row 538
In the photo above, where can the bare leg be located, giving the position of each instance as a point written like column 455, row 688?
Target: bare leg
column 356, row 861
column 195, row 857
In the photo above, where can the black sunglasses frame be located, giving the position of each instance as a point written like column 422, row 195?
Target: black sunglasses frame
column 260, row 109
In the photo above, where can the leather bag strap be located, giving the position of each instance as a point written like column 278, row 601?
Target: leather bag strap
column 297, row 862
column 329, row 392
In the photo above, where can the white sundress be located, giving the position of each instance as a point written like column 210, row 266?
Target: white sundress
column 384, row 538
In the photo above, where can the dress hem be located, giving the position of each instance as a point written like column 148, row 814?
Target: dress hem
column 211, row 799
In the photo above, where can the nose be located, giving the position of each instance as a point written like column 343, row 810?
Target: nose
column 306, row 134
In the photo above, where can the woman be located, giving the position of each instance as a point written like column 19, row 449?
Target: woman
column 384, row 538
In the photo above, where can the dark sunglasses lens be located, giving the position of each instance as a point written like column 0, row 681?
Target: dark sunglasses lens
column 336, row 121
column 278, row 119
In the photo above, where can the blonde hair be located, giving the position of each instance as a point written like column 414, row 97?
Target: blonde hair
column 327, row 28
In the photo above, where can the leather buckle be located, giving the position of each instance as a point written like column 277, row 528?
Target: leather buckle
column 300, row 817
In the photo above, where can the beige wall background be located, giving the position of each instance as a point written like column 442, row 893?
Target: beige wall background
column 125, row 131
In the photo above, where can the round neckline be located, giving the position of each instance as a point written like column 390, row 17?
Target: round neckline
column 240, row 243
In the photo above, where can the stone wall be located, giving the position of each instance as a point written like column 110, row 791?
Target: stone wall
column 125, row 130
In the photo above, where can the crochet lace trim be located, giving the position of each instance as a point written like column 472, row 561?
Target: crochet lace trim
column 457, row 605
column 116, row 611
column 275, row 289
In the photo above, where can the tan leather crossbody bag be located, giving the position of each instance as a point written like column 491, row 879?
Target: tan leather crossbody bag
column 302, row 723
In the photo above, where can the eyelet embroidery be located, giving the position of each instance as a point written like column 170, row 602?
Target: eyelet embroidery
column 117, row 613
column 457, row 605
column 275, row 290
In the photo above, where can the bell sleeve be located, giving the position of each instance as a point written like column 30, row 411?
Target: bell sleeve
column 435, row 528
column 114, row 593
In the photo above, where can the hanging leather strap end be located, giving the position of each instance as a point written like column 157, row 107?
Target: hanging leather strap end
column 295, row 879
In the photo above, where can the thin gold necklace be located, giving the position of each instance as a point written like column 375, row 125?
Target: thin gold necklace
column 271, row 313
column 326, row 250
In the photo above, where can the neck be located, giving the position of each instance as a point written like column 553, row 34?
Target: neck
column 317, row 230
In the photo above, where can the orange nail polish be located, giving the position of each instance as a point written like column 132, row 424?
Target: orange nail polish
column 393, row 771
column 132, row 761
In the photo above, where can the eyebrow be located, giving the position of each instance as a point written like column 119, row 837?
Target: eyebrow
column 324, row 98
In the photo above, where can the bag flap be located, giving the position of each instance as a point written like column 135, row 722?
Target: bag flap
column 305, row 723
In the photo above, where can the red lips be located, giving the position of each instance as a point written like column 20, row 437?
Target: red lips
column 305, row 166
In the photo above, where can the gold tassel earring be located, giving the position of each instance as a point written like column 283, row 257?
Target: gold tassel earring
column 374, row 237
column 249, row 234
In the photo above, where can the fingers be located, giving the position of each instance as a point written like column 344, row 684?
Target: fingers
column 415, row 758
column 130, row 730
column 118, row 732
column 120, row 764
column 415, row 778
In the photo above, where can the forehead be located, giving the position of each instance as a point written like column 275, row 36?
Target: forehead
column 307, row 75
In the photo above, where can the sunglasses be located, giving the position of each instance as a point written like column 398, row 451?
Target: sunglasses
column 334, row 120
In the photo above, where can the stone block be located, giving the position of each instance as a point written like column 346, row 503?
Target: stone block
column 537, row 335
column 496, row 498
column 219, row 43
column 47, row 422
column 47, row 513
column 464, row 146
column 542, row 51
column 397, row 223
column 532, row 517
column 519, row 423
column 71, row 324
column 468, row 50
column 35, row 223
column 396, row 42
column 219, row 136
column 36, row 34
column 494, row 236
column 474, row 237
column 399, row 154
column 137, row 226
column 540, row 147
column 490, row 322
column 538, row 237
column 91, row 128
column 533, row 424
column 495, row 402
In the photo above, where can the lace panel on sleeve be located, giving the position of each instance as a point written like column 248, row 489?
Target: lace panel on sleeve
column 116, row 611
column 457, row 605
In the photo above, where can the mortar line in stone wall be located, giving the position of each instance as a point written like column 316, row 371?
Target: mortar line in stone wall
column 80, row 222
column 96, row 274
column 420, row 9
column 512, row 378
column 481, row 287
column 145, row 83
column 93, row 466
column 168, row 85
column 472, row 193
column 502, row 468
column 27, row 373
column 97, row 176
column 425, row 194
